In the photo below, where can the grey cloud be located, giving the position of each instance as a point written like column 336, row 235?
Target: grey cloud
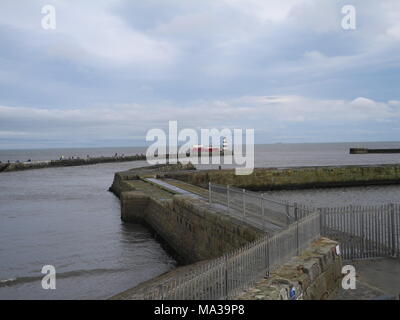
column 117, row 68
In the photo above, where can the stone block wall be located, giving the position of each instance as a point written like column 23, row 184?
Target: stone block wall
column 191, row 228
column 313, row 275
column 296, row 178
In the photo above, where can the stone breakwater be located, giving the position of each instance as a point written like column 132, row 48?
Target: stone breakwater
column 197, row 232
column 19, row 166
column 188, row 226
column 266, row 179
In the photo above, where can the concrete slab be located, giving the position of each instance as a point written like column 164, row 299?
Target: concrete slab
column 376, row 279
column 170, row 187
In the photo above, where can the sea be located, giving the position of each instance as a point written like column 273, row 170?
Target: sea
column 66, row 217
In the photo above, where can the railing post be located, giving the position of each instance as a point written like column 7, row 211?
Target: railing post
column 393, row 230
column 321, row 221
column 226, row 277
column 287, row 214
column 297, row 237
column 267, row 257
column 262, row 212
column 364, row 253
column 162, row 292
column 227, row 195
column 352, row 231
column 244, row 202
column 295, row 211
column 209, row 192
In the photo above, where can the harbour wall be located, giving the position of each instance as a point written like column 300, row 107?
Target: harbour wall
column 19, row 166
column 196, row 232
column 264, row 179
column 192, row 229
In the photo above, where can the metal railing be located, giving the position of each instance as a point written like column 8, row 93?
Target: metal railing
column 255, row 208
column 227, row 276
column 364, row 231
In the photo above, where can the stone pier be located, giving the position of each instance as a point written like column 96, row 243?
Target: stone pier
column 196, row 231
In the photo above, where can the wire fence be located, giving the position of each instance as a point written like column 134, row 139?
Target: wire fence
column 227, row 276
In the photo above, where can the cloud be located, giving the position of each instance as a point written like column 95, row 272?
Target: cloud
column 279, row 114
column 116, row 68
column 86, row 31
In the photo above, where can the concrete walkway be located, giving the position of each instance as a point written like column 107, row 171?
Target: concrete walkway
column 180, row 188
column 170, row 187
column 376, row 279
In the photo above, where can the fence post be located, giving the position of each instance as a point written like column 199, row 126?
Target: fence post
column 262, row 212
column 363, row 253
column 226, row 277
column 295, row 211
column 393, row 230
column 321, row 221
column 267, row 256
column 297, row 237
column 352, row 232
column 287, row 214
column 162, row 289
column 209, row 192
column 244, row 202
column 227, row 195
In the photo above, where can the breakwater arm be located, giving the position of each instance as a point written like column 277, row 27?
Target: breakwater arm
column 265, row 179
column 218, row 243
column 18, row 166
column 366, row 150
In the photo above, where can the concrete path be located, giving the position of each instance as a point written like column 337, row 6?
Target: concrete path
column 376, row 279
column 170, row 187
column 256, row 221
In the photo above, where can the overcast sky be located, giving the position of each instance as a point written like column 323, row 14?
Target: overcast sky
column 113, row 69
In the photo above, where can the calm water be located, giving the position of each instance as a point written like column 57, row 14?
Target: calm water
column 65, row 217
column 336, row 197
column 318, row 154
column 267, row 155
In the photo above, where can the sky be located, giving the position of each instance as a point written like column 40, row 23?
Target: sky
column 112, row 70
